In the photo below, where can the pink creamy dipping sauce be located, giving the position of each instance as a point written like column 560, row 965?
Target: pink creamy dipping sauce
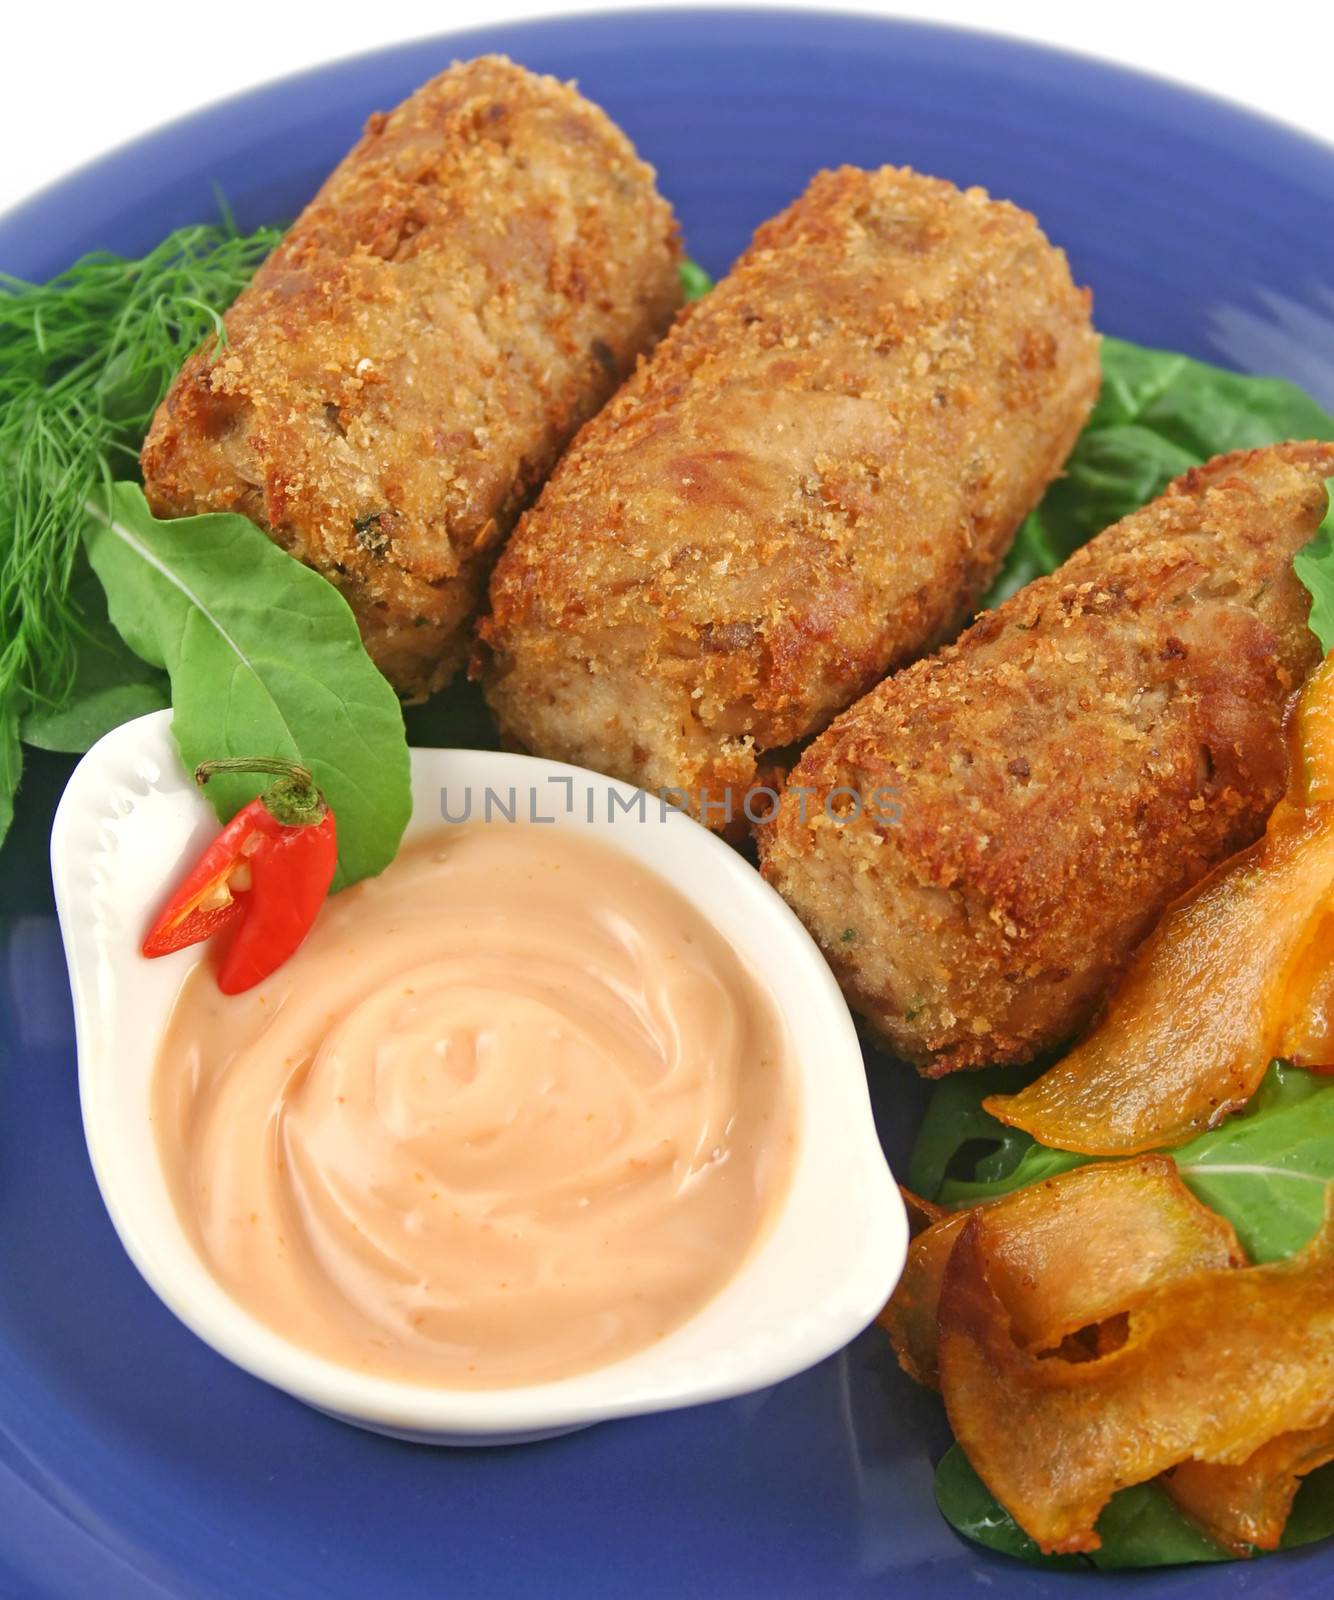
column 513, row 1111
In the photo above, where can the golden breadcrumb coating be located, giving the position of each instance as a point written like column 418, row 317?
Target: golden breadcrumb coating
column 1078, row 759
column 470, row 284
column 810, row 481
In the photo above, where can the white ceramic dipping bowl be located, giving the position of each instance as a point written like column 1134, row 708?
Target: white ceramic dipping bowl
column 128, row 820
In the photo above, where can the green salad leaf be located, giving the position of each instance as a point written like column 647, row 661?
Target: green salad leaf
column 111, row 684
column 1314, row 565
column 1312, row 1516
column 264, row 658
column 695, row 282
column 1203, row 409
column 1267, row 1168
column 1014, row 1163
column 955, row 1127
column 1158, row 414
column 971, row 1509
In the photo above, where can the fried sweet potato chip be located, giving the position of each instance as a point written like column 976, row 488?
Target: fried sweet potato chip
column 1307, row 1036
column 1311, row 740
column 1200, row 1014
column 922, row 1213
column 1065, row 1254
column 1246, row 1507
column 1213, row 1366
column 910, row 1317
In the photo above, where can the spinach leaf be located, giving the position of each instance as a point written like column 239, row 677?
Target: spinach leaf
column 1140, row 1527
column 110, row 685
column 955, row 1126
column 1314, row 565
column 695, row 282
column 1111, row 472
column 970, row 1508
column 1028, row 1162
column 1158, row 414
column 264, row 659
column 963, row 1155
column 1312, row 1515
column 1203, row 409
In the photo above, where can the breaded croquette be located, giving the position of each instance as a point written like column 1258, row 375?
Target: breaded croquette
column 469, row 285
column 810, row 481
column 1081, row 756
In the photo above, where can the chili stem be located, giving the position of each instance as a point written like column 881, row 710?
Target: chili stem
column 292, row 800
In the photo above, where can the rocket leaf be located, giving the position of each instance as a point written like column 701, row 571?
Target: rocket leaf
column 110, row 685
column 264, row 659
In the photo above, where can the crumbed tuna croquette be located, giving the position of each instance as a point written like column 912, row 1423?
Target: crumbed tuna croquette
column 811, row 481
column 1078, row 759
column 470, row 284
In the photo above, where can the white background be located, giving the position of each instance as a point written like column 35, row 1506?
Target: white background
column 85, row 76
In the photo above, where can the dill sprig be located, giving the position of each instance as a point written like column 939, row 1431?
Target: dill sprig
column 84, row 362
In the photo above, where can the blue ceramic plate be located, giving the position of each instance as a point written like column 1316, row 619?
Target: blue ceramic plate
column 134, row 1463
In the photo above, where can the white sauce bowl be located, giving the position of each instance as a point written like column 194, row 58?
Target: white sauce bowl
column 826, row 1265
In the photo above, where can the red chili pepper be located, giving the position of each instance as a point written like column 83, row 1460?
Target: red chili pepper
column 268, row 872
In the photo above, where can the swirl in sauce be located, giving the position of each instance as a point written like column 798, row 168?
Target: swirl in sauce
column 514, row 1110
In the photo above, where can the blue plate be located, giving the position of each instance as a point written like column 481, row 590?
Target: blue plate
column 134, row 1463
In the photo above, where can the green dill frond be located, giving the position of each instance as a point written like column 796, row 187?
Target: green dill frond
column 84, row 362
